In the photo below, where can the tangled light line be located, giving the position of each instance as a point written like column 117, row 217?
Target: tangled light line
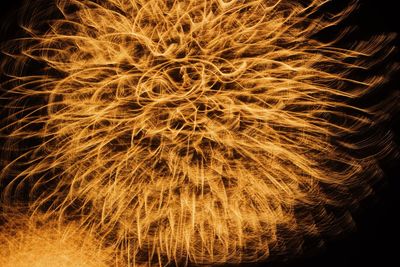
column 189, row 131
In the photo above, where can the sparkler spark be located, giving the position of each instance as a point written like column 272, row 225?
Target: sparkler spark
column 203, row 131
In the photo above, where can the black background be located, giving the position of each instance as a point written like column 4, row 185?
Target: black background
column 376, row 239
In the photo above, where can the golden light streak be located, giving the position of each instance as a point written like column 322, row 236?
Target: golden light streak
column 35, row 242
column 190, row 131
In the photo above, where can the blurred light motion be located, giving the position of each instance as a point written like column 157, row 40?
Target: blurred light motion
column 187, row 131
column 33, row 242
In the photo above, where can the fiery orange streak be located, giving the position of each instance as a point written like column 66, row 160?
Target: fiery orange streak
column 190, row 131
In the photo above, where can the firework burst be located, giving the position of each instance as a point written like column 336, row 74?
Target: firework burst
column 203, row 131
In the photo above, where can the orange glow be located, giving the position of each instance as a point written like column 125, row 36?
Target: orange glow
column 187, row 131
column 34, row 242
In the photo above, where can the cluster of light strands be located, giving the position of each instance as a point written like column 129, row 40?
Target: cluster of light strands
column 190, row 131
column 33, row 242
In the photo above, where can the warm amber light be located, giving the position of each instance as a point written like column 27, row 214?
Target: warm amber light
column 185, row 131
column 34, row 242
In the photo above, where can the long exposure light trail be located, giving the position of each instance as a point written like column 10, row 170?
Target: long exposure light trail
column 187, row 131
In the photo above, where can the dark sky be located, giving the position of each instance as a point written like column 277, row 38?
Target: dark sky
column 376, row 239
